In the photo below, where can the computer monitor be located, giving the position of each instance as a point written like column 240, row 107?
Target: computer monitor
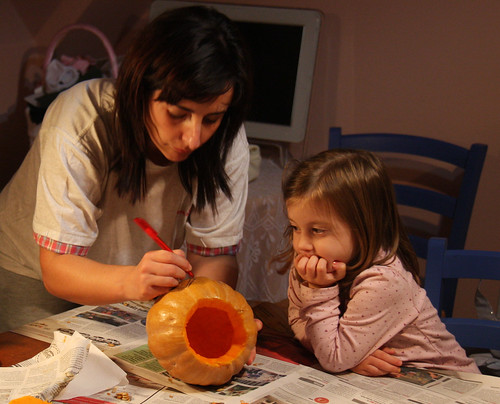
column 283, row 44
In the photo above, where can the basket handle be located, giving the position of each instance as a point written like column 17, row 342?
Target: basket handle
column 86, row 27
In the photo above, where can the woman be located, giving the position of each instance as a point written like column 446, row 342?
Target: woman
column 165, row 143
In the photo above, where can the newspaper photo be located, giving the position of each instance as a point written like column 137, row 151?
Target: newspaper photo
column 109, row 327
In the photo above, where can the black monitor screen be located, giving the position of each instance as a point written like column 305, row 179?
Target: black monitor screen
column 275, row 53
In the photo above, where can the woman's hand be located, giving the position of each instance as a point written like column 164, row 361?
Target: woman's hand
column 251, row 358
column 85, row 281
column 156, row 274
column 318, row 272
column 379, row 363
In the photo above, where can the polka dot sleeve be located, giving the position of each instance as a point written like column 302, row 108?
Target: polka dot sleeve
column 381, row 305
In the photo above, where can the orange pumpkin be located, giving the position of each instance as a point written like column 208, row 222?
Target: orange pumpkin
column 201, row 332
column 28, row 400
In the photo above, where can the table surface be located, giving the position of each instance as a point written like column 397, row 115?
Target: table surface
column 275, row 340
column 15, row 348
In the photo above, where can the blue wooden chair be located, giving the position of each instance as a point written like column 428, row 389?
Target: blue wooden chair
column 426, row 181
column 435, row 183
column 444, row 264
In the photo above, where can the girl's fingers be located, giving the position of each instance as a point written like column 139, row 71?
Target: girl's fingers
column 322, row 267
column 311, row 266
column 300, row 265
column 319, row 271
column 339, row 270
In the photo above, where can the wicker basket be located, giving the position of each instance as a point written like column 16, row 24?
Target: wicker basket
column 34, row 127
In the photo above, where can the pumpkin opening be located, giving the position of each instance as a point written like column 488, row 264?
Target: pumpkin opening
column 214, row 330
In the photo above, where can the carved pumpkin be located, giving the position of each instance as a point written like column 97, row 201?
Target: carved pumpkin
column 201, row 332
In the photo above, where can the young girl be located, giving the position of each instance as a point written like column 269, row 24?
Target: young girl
column 354, row 287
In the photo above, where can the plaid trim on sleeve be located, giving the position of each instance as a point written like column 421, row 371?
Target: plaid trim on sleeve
column 58, row 247
column 212, row 252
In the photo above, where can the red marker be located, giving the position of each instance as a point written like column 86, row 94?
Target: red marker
column 154, row 235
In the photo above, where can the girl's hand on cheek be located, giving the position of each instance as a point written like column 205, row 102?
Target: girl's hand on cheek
column 300, row 262
column 338, row 270
column 318, row 272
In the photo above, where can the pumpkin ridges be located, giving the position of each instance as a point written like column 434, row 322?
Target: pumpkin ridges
column 192, row 371
column 176, row 345
column 166, row 327
column 186, row 367
column 171, row 341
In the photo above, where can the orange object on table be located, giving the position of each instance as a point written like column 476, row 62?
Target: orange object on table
column 28, row 400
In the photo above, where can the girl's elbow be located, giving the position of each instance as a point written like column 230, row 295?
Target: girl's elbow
column 330, row 360
column 333, row 366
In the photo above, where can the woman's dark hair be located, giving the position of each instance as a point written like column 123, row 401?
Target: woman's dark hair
column 192, row 53
column 353, row 184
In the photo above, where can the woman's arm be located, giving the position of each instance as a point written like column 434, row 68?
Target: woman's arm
column 84, row 281
column 220, row 267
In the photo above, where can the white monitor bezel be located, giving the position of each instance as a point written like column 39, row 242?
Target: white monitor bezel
column 310, row 20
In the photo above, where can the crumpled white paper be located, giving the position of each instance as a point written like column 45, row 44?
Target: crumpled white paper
column 98, row 373
column 70, row 367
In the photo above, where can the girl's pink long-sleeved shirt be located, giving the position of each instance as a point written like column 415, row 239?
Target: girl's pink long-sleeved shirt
column 387, row 308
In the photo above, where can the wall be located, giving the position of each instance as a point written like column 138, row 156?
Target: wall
column 418, row 66
column 422, row 67
column 432, row 67
column 26, row 29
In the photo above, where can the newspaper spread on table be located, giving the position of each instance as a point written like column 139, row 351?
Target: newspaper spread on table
column 47, row 373
column 71, row 366
column 119, row 331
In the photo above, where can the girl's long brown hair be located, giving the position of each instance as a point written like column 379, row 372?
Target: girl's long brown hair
column 355, row 185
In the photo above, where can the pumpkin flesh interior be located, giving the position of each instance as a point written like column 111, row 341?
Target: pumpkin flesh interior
column 214, row 330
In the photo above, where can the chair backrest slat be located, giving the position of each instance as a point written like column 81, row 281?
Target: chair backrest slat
column 467, row 195
column 419, row 244
column 484, row 333
column 400, row 143
column 444, row 264
column 476, row 265
column 425, row 199
column 456, row 208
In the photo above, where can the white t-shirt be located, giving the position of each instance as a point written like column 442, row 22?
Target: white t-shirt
column 62, row 194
